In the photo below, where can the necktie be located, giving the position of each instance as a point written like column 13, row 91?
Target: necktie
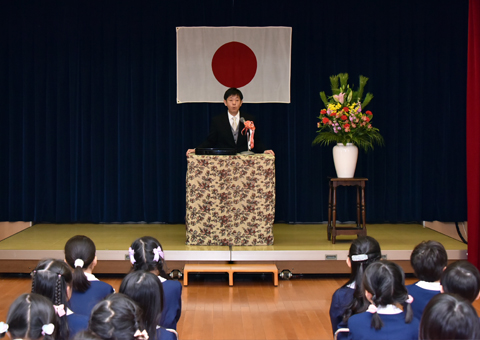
column 234, row 124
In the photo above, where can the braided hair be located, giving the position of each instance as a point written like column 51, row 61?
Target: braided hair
column 144, row 258
column 117, row 317
column 363, row 252
column 385, row 280
column 29, row 317
column 51, row 278
column 79, row 254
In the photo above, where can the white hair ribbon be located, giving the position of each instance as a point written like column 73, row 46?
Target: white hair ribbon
column 142, row 334
column 78, row 263
column 372, row 309
column 360, row 257
column 48, row 329
column 158, row 253
column 131, row 254
column 3, row 327
column 410, row 299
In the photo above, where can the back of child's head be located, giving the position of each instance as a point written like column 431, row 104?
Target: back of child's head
column 86, row 335
column 385, row 281
column 31, row 316
column 146, row 253
column 363, row 251
column 449, row 316
column 461, row 278
column 79, row 254
column 117, row 317
column 51, row 278
column 147, row 291
column 428, row 260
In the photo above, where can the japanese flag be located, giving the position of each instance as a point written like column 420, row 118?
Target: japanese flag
column 254, row 59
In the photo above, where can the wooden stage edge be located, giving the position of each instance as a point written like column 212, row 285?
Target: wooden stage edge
column 300, row 249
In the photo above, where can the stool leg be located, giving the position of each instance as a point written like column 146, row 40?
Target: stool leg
column 359, row 221
column 334, row 215
column 363, row 211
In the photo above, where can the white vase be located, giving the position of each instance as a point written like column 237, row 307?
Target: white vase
column 345, row 159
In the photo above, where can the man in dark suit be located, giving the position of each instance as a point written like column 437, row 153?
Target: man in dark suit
column 226, row 129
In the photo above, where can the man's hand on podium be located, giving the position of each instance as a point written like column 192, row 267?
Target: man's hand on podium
column 270, row 152
column 189, row 151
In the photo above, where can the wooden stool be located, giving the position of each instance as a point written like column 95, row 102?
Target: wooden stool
column 332, row 229
column 230, row 269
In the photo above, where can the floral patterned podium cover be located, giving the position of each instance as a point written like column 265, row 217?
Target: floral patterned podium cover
column 230, row 200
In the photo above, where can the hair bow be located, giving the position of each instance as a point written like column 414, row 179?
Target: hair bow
column 158, row 253
column 372, row 309
column 60, row 310
column 131, row 254
column 48, row 329
column 78, row 263
column 410, row 299
column 142, row 334
column 3, row 327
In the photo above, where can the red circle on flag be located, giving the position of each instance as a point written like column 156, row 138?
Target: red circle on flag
column 234, row 64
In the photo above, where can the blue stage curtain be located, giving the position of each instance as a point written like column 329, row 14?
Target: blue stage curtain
column 91, row 131
column 473, row 137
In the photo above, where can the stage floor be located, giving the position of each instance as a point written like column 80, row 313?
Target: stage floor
column 300, row 248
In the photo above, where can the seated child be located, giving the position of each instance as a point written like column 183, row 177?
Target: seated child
column 428, row 260
column 146, row 254
column 87, row 289
column 461, row 278
column 449, row 316
column 117, row 317
column 384, row 284
column 53, row 279
column 146, row 290
column 363, row 251
column 31, row 316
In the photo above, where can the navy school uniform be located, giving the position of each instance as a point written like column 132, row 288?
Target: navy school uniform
column 172, row 304
column 340, row 301
column 76, row 322
column 422, row 292
column 394, row 327
column 83, row 303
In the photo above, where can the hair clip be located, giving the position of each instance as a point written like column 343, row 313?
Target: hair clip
column 78, row 263
column 131, row 254
column 410, row 299
column 3, row 327
column 60, row 310
column 372, row 309
column 158, row 253
column 360, row 257
column 48, row 329
column 143, row 334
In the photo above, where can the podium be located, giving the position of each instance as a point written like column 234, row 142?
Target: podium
column 230, row 200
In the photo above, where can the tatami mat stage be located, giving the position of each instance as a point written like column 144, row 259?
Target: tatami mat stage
column 302, row 248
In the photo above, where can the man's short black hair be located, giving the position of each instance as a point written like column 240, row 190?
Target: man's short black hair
column 233, row 92
column 428, row 260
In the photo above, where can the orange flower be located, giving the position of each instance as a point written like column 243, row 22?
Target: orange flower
column 323, row 112
column 318, row 125
column 344, row 117
column 346, row 109
column 325, row 120
column 347, row 127
column 369, row 113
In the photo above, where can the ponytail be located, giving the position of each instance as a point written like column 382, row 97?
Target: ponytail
column 79, row 254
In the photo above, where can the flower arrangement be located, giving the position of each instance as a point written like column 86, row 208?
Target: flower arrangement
column 343, row 119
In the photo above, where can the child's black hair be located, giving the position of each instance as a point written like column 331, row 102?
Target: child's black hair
column 461, row 278
column 449, row 316
column 385, row 280
column 429, row 259
column 80, row 248
column 363, row 252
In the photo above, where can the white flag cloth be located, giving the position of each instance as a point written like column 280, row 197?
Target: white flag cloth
column 257, row 60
